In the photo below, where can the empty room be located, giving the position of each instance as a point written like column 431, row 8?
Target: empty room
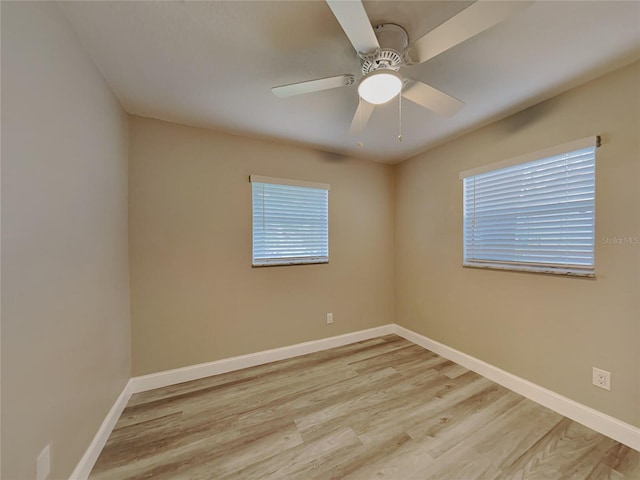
column 341, row 239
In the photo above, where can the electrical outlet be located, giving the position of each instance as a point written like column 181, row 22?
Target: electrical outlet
column 43, row 463
column 329, row 318
column 601, row 378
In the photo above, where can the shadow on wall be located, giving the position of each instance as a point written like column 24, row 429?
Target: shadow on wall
column 529, row 116
column 333, row 157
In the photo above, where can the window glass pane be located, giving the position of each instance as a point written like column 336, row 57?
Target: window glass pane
column 538, row 215
column 290, row 224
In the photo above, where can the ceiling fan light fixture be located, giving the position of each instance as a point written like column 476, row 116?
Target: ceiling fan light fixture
column 379, row 86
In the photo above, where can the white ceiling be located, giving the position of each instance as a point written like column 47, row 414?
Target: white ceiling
column 212, row 64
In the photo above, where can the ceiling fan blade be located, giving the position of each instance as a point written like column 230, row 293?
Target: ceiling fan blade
column 313, row 85
column 361, row 117
column 353, row 19
column 433, row 99
column 474, row 19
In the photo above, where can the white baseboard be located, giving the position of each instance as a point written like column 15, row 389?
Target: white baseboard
column 598, row 421
column 202, row 370
column 194, row 372
column 88, row 460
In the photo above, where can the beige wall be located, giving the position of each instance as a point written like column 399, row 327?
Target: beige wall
column 195, row 296
column 65, row 292
column 548, row 329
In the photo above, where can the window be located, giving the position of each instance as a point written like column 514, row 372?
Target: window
column 533, row 213
column 290, row 221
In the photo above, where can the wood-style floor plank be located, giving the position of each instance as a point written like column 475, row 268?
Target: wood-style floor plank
column 382, row 409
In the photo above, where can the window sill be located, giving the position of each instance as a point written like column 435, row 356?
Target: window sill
column 290, row 262
column 567, row 272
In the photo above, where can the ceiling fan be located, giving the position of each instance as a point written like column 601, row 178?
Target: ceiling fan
column 384, row 50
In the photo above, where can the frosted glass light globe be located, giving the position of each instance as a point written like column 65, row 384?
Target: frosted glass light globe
column 379, row 86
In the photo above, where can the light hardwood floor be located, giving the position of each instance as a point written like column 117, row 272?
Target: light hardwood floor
column 380, row 409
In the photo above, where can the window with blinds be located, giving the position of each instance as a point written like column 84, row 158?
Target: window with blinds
column 290, row 221
column 533, row 214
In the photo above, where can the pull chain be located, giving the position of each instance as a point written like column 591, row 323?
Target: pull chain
column 400, row 117
column 360, row 144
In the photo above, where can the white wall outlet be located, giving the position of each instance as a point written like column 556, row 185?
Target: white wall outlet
column 329, row 318
column 43, row 463
column 601, row 378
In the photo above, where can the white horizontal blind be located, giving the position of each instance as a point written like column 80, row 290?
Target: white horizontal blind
column 538, row 215
column 290, row 223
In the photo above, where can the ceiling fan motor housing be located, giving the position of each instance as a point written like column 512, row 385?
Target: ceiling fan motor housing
column 393, row 40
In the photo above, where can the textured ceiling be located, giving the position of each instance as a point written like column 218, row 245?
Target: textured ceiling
column 212, row 64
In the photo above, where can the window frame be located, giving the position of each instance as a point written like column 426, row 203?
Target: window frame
column 286, row 260
column 514, row 264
